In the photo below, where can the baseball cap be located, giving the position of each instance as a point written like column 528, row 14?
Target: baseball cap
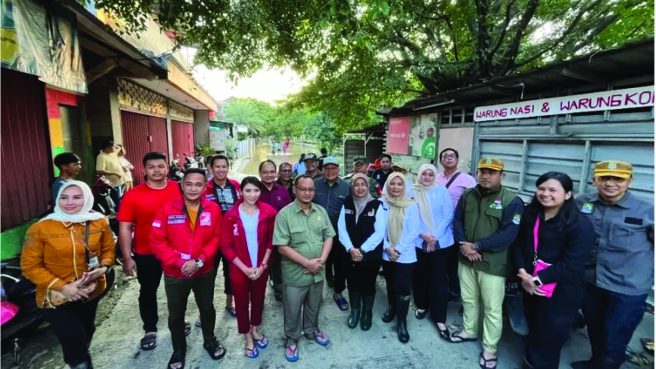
column 613, row 168
column 328, row 160
column 310, row 156
column 490, row 163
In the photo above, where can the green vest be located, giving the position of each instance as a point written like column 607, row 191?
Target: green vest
column 482, row 218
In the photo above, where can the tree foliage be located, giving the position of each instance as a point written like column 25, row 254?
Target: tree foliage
column 362, row 55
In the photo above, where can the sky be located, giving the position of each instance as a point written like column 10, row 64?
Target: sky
column 268, row 85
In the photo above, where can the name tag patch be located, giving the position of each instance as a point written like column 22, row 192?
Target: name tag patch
column 205, row 220
column 631, row 220
column 371, row 213
column 176, row 219
column 496, row 205
column 348, row 211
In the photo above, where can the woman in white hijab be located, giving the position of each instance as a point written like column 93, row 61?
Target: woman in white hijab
column 399, row 258
column 429, row 281
column 361, row 229
column 66, row 255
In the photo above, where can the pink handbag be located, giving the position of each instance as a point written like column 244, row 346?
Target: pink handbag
column 539, row 265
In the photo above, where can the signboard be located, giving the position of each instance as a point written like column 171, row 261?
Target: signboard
column 218, row 138
column 397, row 135
column 423, row 136
column 629, row 98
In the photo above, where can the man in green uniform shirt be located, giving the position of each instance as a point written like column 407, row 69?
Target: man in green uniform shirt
column 304, row 237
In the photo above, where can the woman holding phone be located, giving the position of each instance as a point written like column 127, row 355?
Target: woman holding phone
column 66, row 255
column 553, row 245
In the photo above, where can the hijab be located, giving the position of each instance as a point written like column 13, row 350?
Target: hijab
column 397, row 209
column 360, row 202
column 85, row 214
column 421, row 194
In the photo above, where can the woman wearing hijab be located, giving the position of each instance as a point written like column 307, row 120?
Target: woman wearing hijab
column 430, row 283
column 400, row 256
column 60, row 261
column 554, row 244
column 361, row 226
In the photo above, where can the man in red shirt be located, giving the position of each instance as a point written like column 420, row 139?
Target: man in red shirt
column 185, row 239
column 138, row 209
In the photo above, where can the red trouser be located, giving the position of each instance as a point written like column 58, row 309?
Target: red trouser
column 247, row 292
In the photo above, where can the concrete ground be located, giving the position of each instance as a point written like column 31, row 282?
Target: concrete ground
column 116, row 342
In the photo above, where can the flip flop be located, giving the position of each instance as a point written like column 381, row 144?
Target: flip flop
column 483, row 362
column 444, row 333
column 647, row 344
column 251, row 353
column 291, row 353
column 177, row 361
column 187, row 328
column 262, row 342
column 149, row 341
column 456, row 338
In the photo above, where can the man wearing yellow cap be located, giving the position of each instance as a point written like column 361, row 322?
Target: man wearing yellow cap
column 485, row 224
column 621, row 272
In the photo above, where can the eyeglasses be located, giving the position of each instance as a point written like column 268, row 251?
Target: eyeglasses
column 445, row 156
column 286, row 170
column 304, row 189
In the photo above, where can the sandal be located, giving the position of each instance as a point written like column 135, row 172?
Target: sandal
column 420, row 313
column 214, row 349
column 177, row 361
column 647, row 344
column 291, row 352
column 149, row 341
column 251, row 352
column 187, row 328
column 483, row 362
column 262, row 342
column 457, row 338
column 444, row 333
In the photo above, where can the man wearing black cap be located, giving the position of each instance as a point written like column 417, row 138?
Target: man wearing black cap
column 360, row 166
column 312, row 166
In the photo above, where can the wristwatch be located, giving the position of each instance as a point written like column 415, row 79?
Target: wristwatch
column 199, row 263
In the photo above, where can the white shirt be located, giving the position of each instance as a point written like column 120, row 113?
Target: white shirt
column 250, row 227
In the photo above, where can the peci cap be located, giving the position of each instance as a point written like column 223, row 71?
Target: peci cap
column 330, row 160
column 613, row 168
column 358, row 160
column 490, row 163
column 310, row 156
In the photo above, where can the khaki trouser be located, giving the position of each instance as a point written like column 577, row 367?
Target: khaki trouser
column 295, row 299
column 486, row 291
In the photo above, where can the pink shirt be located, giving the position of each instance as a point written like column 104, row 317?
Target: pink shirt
column 458, row 186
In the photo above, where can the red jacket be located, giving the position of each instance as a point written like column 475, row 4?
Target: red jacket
column 233, row 236
column 174, row 242
column 210, row 195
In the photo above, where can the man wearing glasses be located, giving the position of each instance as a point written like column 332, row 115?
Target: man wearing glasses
column 456, row 183
column 304, row 237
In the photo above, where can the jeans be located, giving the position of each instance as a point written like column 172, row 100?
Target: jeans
column 149, row 274
column 74, row 325
column 177, row 294
column 611, row 319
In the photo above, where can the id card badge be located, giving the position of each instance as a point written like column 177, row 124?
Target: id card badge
column 93, row 263
column 185, row 256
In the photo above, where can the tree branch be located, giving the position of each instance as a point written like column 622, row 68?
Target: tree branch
column 504, row 28
column 511, row 53
column 483, row 50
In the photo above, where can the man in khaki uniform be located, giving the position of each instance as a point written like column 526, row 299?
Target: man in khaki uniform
column 304, row 237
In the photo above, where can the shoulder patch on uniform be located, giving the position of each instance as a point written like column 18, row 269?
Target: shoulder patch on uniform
column 517, row 218
column 587, row 208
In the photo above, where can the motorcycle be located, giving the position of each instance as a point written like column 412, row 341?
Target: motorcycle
column 175, row 171
column 18, row 310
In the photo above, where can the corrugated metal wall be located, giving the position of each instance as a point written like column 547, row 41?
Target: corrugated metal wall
column 26, row 159
column 572, row 144
column 183, row 138
column 142, row 134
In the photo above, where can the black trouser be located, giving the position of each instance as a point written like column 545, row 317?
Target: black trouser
column 452, row 271
column 361, row 276
column 336, row 266
column 177, row 294
column 149, row 275
column 275, row 271
column 398, row 279
column 74, row 325
column 549, row 322
column 430, row 285
column 227, row 288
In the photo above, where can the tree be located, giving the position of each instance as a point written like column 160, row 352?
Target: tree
column 254, row 114
column 323, row 130
column 363, row 55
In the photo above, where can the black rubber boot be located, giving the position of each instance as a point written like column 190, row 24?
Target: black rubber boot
column 390, row 314
column 356, row 303
column 402, row 305
column 367, row 306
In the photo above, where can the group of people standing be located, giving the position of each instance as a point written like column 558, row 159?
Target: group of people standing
column 442, row 235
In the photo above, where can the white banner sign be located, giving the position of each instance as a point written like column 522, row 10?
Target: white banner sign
column 629, row 98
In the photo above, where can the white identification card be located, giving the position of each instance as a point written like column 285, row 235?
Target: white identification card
column 93, row 263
